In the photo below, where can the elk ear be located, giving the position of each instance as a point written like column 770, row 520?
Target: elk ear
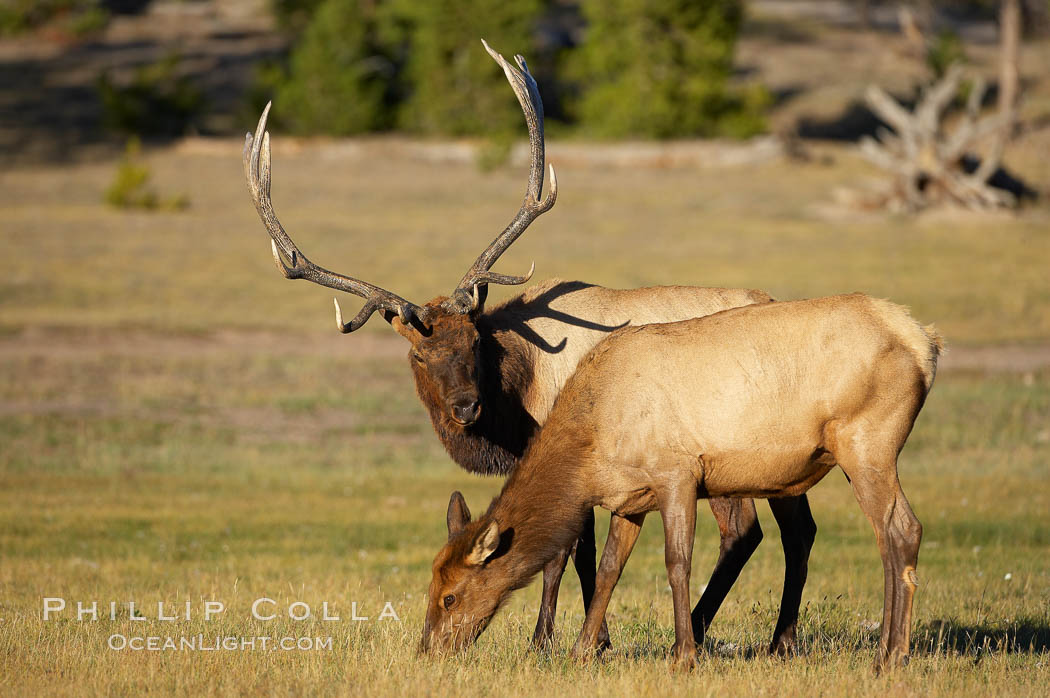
column 416, row 327
column 484, row 545
column 458, row 514
column 479, row 305
column 402, row 329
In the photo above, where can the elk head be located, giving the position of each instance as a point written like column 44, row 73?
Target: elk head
column 443, row 332
column 466, row 588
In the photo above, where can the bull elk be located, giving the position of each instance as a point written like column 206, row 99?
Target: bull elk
column 489, row 377
column 757, row 401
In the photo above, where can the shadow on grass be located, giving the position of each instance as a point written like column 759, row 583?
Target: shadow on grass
column 53, row 106
column 937, row 637
column 1023, row 636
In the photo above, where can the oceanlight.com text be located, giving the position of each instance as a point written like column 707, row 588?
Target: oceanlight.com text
column 216, row 643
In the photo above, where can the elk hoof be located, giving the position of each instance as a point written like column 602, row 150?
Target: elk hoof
column 543, row 637
column 783, row 647
column 581, row 655
column 683, row 658
column 890, row 662
column 543, row 643
column 604, row 643
column 684, row 662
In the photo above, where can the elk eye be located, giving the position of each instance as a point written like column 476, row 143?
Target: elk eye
column 449, row 600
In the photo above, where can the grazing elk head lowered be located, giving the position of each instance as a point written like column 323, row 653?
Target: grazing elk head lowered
column 458, row 586
column 443, row 332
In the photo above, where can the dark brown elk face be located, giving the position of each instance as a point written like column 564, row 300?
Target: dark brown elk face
column 446, row 361
column 465, row 590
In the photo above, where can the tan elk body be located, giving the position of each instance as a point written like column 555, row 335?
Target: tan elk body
column 758, row 401
column 556, row 323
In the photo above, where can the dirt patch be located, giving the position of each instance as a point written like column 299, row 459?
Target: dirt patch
column 77, row 343
column 252, row 424
column 1021, row 358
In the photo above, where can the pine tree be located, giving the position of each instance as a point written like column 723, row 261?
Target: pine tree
column 655, row 68
column 340, row 72
column 456, row 88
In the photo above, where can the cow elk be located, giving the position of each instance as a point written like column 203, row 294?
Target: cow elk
column 757, row 401
column 489, row 377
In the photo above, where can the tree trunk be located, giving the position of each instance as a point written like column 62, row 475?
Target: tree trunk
column 1010, row 41
column 925, row 13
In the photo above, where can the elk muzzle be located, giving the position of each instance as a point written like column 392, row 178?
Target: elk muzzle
column 438, row 638
column 465, row 409
column 450, row 637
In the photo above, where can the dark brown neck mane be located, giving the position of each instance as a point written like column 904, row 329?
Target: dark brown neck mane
column 494, row 444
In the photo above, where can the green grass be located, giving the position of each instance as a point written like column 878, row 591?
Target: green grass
column 180, row 424
column 142, row 499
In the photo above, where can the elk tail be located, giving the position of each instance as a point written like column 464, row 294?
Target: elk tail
column 936, row 350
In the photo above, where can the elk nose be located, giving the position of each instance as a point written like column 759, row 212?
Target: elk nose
column 466, row 410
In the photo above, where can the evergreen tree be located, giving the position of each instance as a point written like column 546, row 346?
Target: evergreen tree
column 656, row 68
column 456, row 87
column 340, row 74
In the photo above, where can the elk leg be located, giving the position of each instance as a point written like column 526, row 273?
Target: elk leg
column 623, row 532
column 898, row 533
column 797, row 531
column 740, row 535
column 583, row 559
column 678, row 511
column 906, row 531
column 543, row 636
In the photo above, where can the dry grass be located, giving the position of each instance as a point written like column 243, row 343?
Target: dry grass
column 414, row 227
column 174, row 428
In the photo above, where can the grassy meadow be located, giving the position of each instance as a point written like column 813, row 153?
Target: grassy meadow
column 180, row 424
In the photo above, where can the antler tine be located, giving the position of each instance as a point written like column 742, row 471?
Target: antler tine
column 256, row 157
column 524, row 86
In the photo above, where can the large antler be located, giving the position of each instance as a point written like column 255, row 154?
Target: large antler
column 257, row 171
column 465, row 297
